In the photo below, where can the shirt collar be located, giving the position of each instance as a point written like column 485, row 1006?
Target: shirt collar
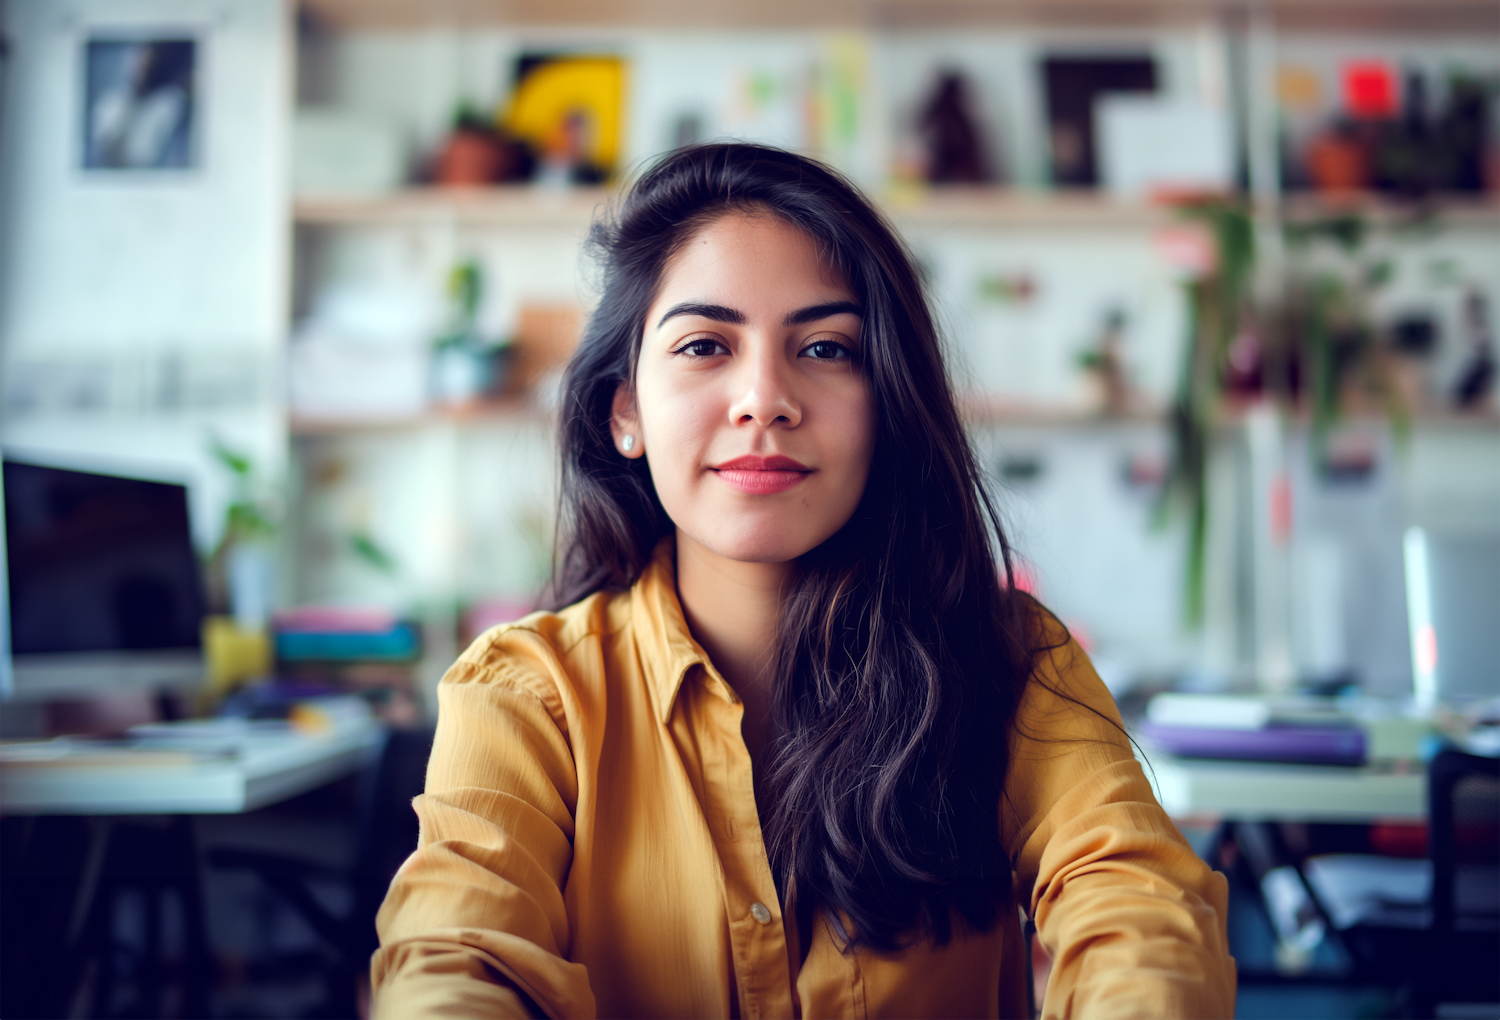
column 662, row 632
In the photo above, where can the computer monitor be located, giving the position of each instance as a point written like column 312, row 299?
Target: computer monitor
column 1453, row 614
column 103, row 588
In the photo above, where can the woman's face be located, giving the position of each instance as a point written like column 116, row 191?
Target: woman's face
column 749, row 405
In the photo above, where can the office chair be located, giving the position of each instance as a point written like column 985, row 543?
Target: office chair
column 386, row 829
column 1463, row 945
column 1434, row 925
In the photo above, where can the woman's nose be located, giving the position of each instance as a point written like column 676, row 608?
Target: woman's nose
column 763, row 393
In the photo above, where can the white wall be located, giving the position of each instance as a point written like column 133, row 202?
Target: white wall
column 1083, row 531
column 144, row 310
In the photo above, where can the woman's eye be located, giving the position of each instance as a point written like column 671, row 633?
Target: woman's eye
column 826, row 350
column 702, row 348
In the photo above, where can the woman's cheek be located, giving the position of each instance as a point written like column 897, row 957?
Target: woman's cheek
column 675, row 433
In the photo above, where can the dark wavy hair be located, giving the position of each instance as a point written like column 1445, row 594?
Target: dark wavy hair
column 902, row 649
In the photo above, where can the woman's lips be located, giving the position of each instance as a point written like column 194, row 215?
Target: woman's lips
column 762, row 476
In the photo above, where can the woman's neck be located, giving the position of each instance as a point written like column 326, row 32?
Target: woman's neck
column 731, row 609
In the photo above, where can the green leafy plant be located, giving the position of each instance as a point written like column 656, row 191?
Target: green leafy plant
column 1218, row 304
column 465, row 291
column 372, row 553
column 251, row 514
column 1331, row 326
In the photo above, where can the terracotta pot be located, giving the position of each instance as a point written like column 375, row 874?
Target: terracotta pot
column 1338, row 164
column 468, row 159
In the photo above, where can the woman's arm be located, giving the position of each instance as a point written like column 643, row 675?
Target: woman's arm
column 474, row 923
column 1133, row 918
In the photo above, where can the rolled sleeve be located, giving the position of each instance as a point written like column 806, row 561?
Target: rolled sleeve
column 475, row 922
column 1133, row 918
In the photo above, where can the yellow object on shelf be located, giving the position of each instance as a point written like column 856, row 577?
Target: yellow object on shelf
column 571, row 102
column 233, row 655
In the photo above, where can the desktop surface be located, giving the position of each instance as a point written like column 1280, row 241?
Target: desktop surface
column 214, row 770
column 1275, row 791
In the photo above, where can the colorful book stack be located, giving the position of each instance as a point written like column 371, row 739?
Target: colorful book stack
column 1249, row 728
column 335, row 634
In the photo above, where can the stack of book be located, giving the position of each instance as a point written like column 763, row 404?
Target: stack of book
column 338, row 634
column 1252, row 728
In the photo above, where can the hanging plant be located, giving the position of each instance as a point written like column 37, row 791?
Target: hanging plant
column 1217, row 301
column 1332, row 329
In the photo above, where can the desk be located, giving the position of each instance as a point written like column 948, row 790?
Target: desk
column 1267, row 791
column 271, row 766
column 68, row 872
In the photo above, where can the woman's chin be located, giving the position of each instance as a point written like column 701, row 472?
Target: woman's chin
column 759, row 543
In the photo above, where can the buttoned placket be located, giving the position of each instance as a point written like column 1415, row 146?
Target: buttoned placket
column 756, row 932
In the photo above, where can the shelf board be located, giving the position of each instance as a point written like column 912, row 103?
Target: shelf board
column 982, row 208
column 1422, row 15
column 508, row 409
column 520, row 207
column 513, row 206
column 1473, row 211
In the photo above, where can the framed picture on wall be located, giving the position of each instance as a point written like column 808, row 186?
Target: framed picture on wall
column 140, row 103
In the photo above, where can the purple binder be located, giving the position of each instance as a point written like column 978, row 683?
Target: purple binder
column 1318, row 745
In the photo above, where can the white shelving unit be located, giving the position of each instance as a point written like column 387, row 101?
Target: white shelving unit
column 457, row 452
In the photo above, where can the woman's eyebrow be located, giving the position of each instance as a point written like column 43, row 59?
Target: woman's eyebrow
column 812, row 313
column 718, row 313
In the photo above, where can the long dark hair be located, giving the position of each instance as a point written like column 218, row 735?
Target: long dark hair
column 902, row 648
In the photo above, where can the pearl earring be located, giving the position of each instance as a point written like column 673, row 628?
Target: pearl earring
column 628, row 443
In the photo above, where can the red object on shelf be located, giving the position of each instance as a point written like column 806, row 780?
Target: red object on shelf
column 1370, row 89
column 470, row 159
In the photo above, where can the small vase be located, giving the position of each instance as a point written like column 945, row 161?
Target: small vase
column 469, row 159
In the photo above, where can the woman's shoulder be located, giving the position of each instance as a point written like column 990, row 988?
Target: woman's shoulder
column 538, row 652
column 1064, row 699
column 1068, row 744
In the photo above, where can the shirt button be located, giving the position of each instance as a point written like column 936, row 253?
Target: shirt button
column 760, row 913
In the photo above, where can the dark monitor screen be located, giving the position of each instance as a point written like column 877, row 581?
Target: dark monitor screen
column 98, row 563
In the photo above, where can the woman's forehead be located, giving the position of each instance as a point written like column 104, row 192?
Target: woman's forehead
column 755, row 255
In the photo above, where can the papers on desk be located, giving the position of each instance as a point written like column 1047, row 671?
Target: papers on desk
column 1293, row 728
column 1247, row 728
column 67, row 753
column 187, row 743
column 167, row 745
column 210, row 766
column 1240, row 711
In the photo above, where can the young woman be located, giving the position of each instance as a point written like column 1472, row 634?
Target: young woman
column 794, row 745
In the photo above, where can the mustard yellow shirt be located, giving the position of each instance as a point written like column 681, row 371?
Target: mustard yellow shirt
column 589, row 839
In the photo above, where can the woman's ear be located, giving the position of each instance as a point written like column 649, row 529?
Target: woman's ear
column 625, row 423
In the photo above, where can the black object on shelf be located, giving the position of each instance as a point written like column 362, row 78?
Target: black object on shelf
column 1415, row 333
column 1477, row 377
column 1072, row 85
column 955, row 149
